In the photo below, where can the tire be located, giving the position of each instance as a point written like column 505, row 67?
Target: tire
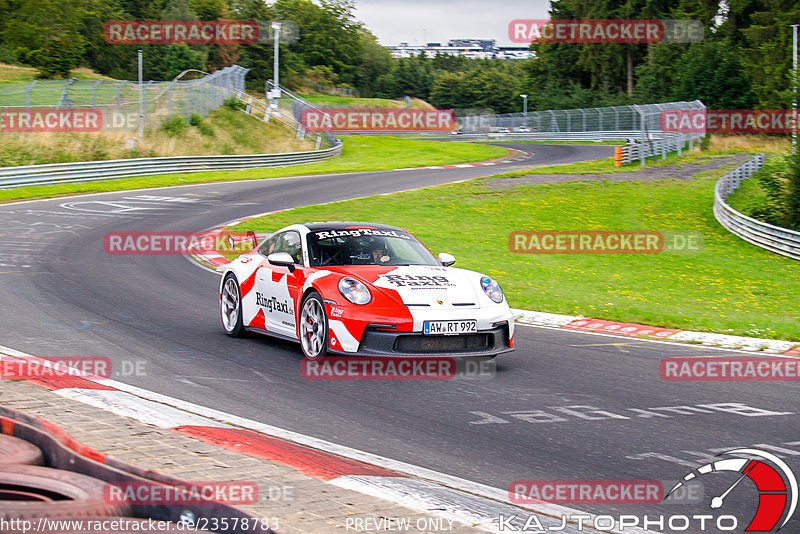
column 18, row 451
column 124, row 525
column 230, row 306
column 313, row 328
column 33, row 492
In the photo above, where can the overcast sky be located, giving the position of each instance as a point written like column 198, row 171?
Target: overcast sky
column 437, row 21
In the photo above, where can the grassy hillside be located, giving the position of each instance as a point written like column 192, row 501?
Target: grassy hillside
column 333, row 100
column 361, row 153
column 17, row 74
column 224, row 131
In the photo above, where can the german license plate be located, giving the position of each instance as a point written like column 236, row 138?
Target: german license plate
column 449, row 327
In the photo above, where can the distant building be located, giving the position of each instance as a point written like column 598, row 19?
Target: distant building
column 486, row 45
column 470, row 48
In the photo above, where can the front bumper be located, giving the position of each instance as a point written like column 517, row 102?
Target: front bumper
column 382, row 342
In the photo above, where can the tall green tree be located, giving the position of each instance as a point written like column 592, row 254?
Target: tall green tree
column 768, row 52
column 47, row 35
column 375, row 62
column 447, row 91
column 711, row 72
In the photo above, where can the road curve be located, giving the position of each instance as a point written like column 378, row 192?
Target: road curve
column 565, row 405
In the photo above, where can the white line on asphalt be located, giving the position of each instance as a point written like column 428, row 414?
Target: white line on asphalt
column 450, row 481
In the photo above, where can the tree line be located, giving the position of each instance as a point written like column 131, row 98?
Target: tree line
column 744, row 60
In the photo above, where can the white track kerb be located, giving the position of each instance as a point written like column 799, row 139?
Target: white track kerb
column 418, row 488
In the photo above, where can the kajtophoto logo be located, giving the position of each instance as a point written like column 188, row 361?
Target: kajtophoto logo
column 776, row 483
column 775, row 489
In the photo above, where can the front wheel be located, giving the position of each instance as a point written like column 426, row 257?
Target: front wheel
column 313, row 327
column 230, row 306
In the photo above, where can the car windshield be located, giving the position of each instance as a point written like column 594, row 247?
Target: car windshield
column 366, row 246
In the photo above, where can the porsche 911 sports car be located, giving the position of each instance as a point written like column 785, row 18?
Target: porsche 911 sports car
column 363, row 289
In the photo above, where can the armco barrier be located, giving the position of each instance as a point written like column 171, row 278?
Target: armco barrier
column 82, row 171
column 609, row 135
column 655, row 145
column 773, row 238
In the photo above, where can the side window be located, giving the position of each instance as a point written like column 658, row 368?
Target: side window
column 269, row 246
column 289, row 242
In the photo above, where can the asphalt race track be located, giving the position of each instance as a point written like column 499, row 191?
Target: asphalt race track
column 564, row 406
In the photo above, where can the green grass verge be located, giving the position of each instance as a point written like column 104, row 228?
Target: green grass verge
column 361, row 153
column 223, row 131
column 20, row 74
column 607, row 165
column 729, row 286
column 748, row 197
column 567, row 142
column 753, row 197
column 334, row 100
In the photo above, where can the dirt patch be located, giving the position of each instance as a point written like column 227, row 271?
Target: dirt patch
column 683, row 171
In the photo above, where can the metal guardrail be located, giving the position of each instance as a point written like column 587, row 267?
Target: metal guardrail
column 118, row 100
column 643, row 118
column 263, row 112
column 551, row 136
column 657, row 144
column 83, row 171
column 767, row 236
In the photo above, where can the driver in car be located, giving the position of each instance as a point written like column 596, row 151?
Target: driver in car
column 371, row 251
column 379, row 255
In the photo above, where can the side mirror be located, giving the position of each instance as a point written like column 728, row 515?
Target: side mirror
column 282, row 259
column 446, row 259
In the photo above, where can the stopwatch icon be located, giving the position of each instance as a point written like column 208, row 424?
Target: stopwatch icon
column 776, row 483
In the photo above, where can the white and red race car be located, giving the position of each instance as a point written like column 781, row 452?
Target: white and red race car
column 363, row 289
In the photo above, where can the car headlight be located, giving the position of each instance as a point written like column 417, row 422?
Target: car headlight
column 354, row 291
column 492, row 289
